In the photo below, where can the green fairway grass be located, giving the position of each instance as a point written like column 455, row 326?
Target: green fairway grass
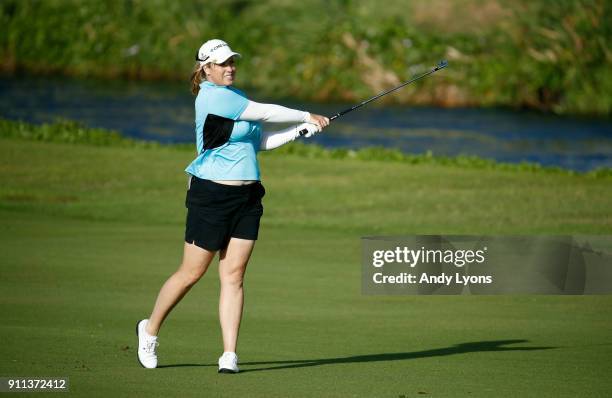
column 88, row 234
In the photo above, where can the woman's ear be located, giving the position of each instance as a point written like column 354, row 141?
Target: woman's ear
column 206, row 69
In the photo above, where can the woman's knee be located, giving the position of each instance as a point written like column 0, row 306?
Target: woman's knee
column 190, row 276
column 195, row 263
column 232, row 276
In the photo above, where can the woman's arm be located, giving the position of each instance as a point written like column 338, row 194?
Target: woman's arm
column 274, row 139
column 272, row 113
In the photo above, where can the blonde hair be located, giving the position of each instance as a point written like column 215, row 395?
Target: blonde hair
column 197, row 76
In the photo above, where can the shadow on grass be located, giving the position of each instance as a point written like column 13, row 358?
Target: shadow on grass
column 463, row 348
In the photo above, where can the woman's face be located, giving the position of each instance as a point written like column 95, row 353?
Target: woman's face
column 221, row 74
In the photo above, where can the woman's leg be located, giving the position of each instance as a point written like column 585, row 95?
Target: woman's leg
column 195, row 263
column 232, row 266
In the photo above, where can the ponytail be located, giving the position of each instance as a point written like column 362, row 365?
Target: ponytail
column 197, row 77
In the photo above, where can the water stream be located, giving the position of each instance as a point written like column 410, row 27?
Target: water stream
column 163, row 111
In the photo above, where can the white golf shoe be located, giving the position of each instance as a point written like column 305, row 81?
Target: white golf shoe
column 146, row 346
column 228, row 363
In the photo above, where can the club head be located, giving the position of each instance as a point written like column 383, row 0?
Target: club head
column 442, row 64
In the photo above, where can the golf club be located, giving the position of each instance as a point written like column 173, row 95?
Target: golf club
column 441, row 65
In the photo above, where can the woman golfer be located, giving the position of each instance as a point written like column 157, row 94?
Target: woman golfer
column 224, row 196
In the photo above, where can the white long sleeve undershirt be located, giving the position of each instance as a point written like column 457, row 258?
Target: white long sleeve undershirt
column 272, row 113
column 274, row 139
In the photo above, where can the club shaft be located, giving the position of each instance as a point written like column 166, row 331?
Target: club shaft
column 344, row 112
column 374, row 98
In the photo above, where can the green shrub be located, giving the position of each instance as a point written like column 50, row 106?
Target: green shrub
column 553, row 56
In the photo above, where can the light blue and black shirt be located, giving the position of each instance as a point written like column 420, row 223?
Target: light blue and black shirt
column 227, row 147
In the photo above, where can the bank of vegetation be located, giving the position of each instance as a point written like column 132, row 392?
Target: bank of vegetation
column 552, row 56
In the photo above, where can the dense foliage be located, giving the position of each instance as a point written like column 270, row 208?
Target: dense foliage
column 547, row 55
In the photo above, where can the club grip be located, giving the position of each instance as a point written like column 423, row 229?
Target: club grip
column 305, row 131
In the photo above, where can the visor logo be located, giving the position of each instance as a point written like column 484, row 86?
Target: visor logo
column 217, row 47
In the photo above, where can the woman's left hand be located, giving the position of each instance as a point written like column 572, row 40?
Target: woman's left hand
column 318, row 120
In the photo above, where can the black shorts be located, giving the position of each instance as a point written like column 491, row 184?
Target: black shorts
column 217, row 212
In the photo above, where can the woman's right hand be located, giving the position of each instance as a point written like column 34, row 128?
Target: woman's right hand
column 320, row 121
